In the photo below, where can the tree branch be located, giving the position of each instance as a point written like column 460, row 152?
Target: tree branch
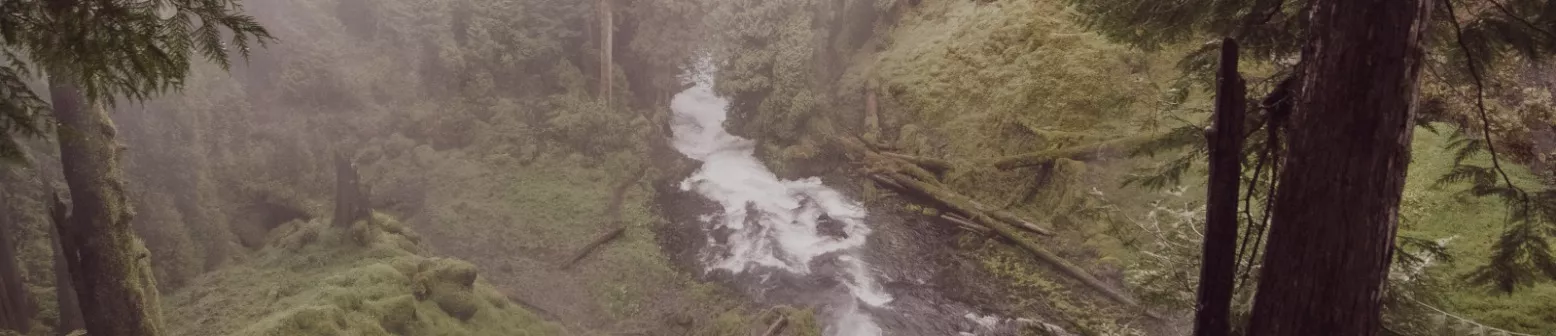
column 1480, row 102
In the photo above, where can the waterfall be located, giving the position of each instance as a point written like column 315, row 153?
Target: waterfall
column 771, row 224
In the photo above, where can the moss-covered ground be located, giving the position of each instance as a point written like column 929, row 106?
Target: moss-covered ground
column 313, row 279
column 1468, row 226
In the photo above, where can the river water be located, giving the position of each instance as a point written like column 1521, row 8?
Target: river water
column 768, row 223
column 800, row 242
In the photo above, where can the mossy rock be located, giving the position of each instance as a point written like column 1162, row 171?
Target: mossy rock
column 441, row 270
column 363, row 232
column 459, row 302
column 425, row 156
column 385, row 229
column 450, row 283
column 313, row 320
column 395, row 314
column 295, row 235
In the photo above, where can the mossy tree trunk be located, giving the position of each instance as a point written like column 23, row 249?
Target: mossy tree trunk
column 16, row 310
column 98, row 243
column 1337, row 210
column 64, row 293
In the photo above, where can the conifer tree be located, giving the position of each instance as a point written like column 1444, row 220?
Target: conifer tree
column 94, row 53
column 1466, row 45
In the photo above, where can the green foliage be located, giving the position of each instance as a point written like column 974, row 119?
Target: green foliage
column 1522, row 254
column 765, row 65
column 1031, row 73
column 1471, row 228
column 112, row 49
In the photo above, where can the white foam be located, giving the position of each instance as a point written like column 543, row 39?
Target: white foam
column 771, row 222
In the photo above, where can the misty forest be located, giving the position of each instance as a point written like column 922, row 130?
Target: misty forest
column 778, row 167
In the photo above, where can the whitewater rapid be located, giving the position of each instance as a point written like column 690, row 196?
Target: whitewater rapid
column 770, row 223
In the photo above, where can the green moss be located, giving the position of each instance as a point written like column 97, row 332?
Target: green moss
column 333, row 286
column 726, row 324
column 1471, row 225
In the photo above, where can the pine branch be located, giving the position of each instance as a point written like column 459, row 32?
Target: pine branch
column 1521, row 19
column 1480, row 100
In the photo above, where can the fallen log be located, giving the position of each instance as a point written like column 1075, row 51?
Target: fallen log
column 959, row 203
column 613, row 212
column 965, row 224
column 777, row 326
column 1011, row 218
column 891, row 163
column 601, row 240
column 1086, row 152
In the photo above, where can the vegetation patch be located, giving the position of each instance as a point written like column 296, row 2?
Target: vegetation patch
column 313, row 279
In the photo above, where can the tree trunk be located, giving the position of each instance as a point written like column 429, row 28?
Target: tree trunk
column 1336, row 212
column 64, row 293
column 16, row 309
column 1218, row 262
column 109, row 273
column 351, row 203
column 607, row 32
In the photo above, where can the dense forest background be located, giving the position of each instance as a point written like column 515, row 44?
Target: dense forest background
column 495, row 138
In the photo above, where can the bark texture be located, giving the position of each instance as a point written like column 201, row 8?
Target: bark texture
column 64, row 293
column 1218, row 262
column 607, row 42
column 110, row 270
column 1349, row 134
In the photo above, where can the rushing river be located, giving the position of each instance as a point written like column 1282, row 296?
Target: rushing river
column 767, row 223
column 802, row 243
